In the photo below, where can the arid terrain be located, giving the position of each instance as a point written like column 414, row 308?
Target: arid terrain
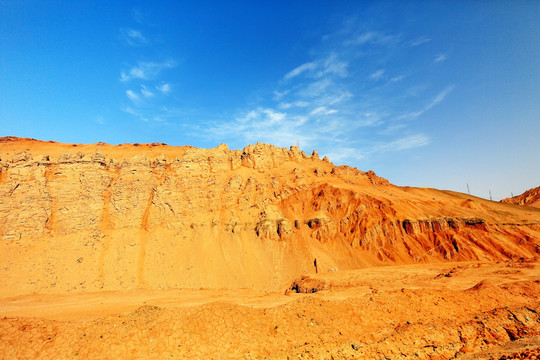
column 530, row 197
column 150, row 251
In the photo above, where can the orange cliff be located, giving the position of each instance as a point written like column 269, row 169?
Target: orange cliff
column 82, row 218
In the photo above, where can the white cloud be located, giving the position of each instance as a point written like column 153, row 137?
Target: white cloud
column 441, row 57
column 419, row 41
column 147, row 102
column 371, row 118
column 132, row 95
column 300, row 69
column 436, row 100
column 165, row 88
column 145, row 92
column 133, row 37
column 365, row 38
column 146, row 70
column 332, row 65
column 298, row 103
column 337, row 96
column 377, row 75
column 345, row 154
column 329, row 103
column 322, row 110
column 405, row 143
column 398, row 78
column 372, row 38
column 392, row 129
column 264, row 125
column 440, row 97
column 135, row 113
column 315, row 89
column 279, row 94
column 274, row 117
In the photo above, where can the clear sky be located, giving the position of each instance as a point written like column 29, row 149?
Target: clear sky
column 439, row 94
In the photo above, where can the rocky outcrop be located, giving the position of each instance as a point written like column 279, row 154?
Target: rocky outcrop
column 530, row 197
column 272, row 224
column 437, row 225
column 376, row 225
column 91, row 217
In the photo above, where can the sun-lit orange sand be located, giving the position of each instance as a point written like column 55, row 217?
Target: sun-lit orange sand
column 149, row 251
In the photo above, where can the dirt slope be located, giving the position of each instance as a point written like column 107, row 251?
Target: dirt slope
column 530, row 197
column 83, row 218
column 424, row 311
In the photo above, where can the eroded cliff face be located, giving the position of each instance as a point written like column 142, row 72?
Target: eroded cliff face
column 102, row 217
column 530, row 197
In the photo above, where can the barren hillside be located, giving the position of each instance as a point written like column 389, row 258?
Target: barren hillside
column 153, row 251
column 83, row 218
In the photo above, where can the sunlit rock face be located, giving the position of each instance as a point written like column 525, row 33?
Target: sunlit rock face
column 103, row 217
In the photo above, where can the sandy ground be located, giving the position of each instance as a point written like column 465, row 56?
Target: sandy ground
column 467, row 310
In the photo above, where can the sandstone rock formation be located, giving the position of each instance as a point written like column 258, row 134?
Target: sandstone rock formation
column 530, row 197
column 80, row 218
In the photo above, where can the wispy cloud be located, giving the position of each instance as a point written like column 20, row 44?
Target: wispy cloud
column 137, row 97
column 263, row 124
column 323, row 110
column 145, row 103
column 145, row 83
column 393, row 129
column 404, row 143
column 377, row 75
column 441, row 57
column 344, row 154
column 440, row 96
column 301, row 69
column 135, row 113
column 164, row 88
column 146, row 70
column 354, row 96
column 398, row 78
column 145, row 92
column 132, row 95
column 436, row 100
column 331, row 65
column 363, row 38
column 419, row 41
column 133, row 37
column 346, row 100
column 372, row 38
column 287, row 105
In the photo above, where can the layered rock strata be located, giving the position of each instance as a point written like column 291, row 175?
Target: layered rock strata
column 97, row 217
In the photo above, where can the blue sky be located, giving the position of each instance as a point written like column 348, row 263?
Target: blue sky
column 438, row 94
